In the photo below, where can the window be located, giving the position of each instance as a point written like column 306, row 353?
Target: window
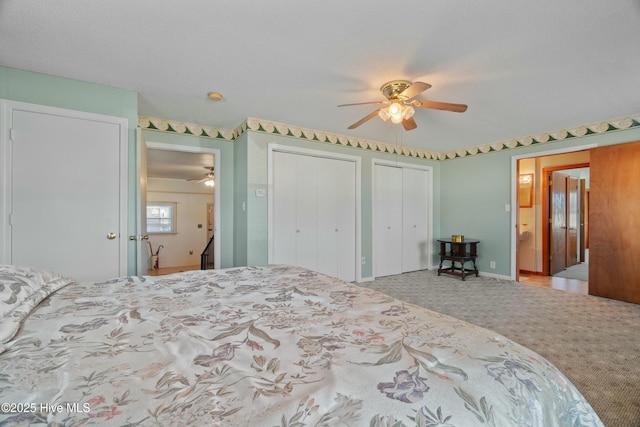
column 161, row 217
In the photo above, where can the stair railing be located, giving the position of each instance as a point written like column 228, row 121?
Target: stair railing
column 206, row 258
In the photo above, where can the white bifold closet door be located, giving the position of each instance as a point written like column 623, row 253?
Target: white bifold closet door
column 314, row 214
column 388, row 220
column 401, row 220
column 415, row 215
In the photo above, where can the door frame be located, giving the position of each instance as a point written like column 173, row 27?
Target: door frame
column 6, row 154
column 217, row 162
column 271, row 147
column 402, row 165
column 546, row 208
column 515, row 202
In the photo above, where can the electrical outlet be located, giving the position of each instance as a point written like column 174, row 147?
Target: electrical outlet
column 492, row 264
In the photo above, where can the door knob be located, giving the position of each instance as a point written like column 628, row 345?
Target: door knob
column 111, row 236
column 141, row 237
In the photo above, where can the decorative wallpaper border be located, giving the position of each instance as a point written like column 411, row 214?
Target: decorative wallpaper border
column 266, row 126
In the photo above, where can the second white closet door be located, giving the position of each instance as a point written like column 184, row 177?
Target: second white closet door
column 388, row 220
column 401, row 218
column 414, row 220
column 307, row 189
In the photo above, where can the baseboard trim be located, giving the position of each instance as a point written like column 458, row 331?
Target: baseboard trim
column 495, row 276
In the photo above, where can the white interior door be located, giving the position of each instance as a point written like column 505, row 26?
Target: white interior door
column 66, row 203
column 415, row 217
column 307, row 212
column 387, row 220
column 142, row 254
column 314, row 213
column 327, row 191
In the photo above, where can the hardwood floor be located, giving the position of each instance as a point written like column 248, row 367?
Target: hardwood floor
column 169, row 270
column 560, row 283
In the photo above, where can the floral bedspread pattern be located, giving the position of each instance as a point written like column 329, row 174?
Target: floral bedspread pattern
column 269, row 346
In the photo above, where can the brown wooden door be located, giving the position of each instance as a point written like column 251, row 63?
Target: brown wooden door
column 614, row 221
column 582, row 227
column 558, row 228
column 573, row 210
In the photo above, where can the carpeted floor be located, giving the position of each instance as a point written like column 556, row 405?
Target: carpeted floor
column 594, row 341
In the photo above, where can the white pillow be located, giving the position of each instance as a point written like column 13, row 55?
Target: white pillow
column 21, row 289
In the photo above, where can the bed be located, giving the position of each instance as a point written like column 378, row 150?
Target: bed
column 259, row 346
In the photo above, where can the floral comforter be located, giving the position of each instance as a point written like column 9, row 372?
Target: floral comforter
column 268, row 346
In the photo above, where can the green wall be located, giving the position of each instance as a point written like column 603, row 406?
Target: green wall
column 43, row 89
column 475, row 189
column 470, row 193
column 257, row 178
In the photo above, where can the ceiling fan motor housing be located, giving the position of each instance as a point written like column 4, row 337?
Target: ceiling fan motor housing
column 394, row 88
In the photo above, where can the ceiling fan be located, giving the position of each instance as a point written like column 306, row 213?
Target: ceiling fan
column 400, row 103
column 209, row 178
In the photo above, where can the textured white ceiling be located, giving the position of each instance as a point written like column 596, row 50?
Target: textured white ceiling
column 523, row 67
column 178, row 164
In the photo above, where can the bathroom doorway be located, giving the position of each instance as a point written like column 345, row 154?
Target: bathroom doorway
column 551, row 220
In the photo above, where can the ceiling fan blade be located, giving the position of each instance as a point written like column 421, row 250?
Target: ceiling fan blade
column 364, row 119
column 446, row 106
column 362, row 103
column 199, row 180
column 409, row 124
column 413, row 90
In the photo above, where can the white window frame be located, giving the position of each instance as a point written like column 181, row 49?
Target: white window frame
column 173, row 209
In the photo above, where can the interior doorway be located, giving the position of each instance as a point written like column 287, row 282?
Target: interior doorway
column 542, row 206
column 182, row 175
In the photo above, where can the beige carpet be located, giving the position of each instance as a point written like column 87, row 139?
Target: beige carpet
column 594, row 341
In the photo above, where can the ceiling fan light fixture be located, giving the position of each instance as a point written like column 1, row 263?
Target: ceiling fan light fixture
column 395, row 109
column 396, row 119
column 400, row 103
column 210, row 182
column 399, row 112
column 408, row 112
